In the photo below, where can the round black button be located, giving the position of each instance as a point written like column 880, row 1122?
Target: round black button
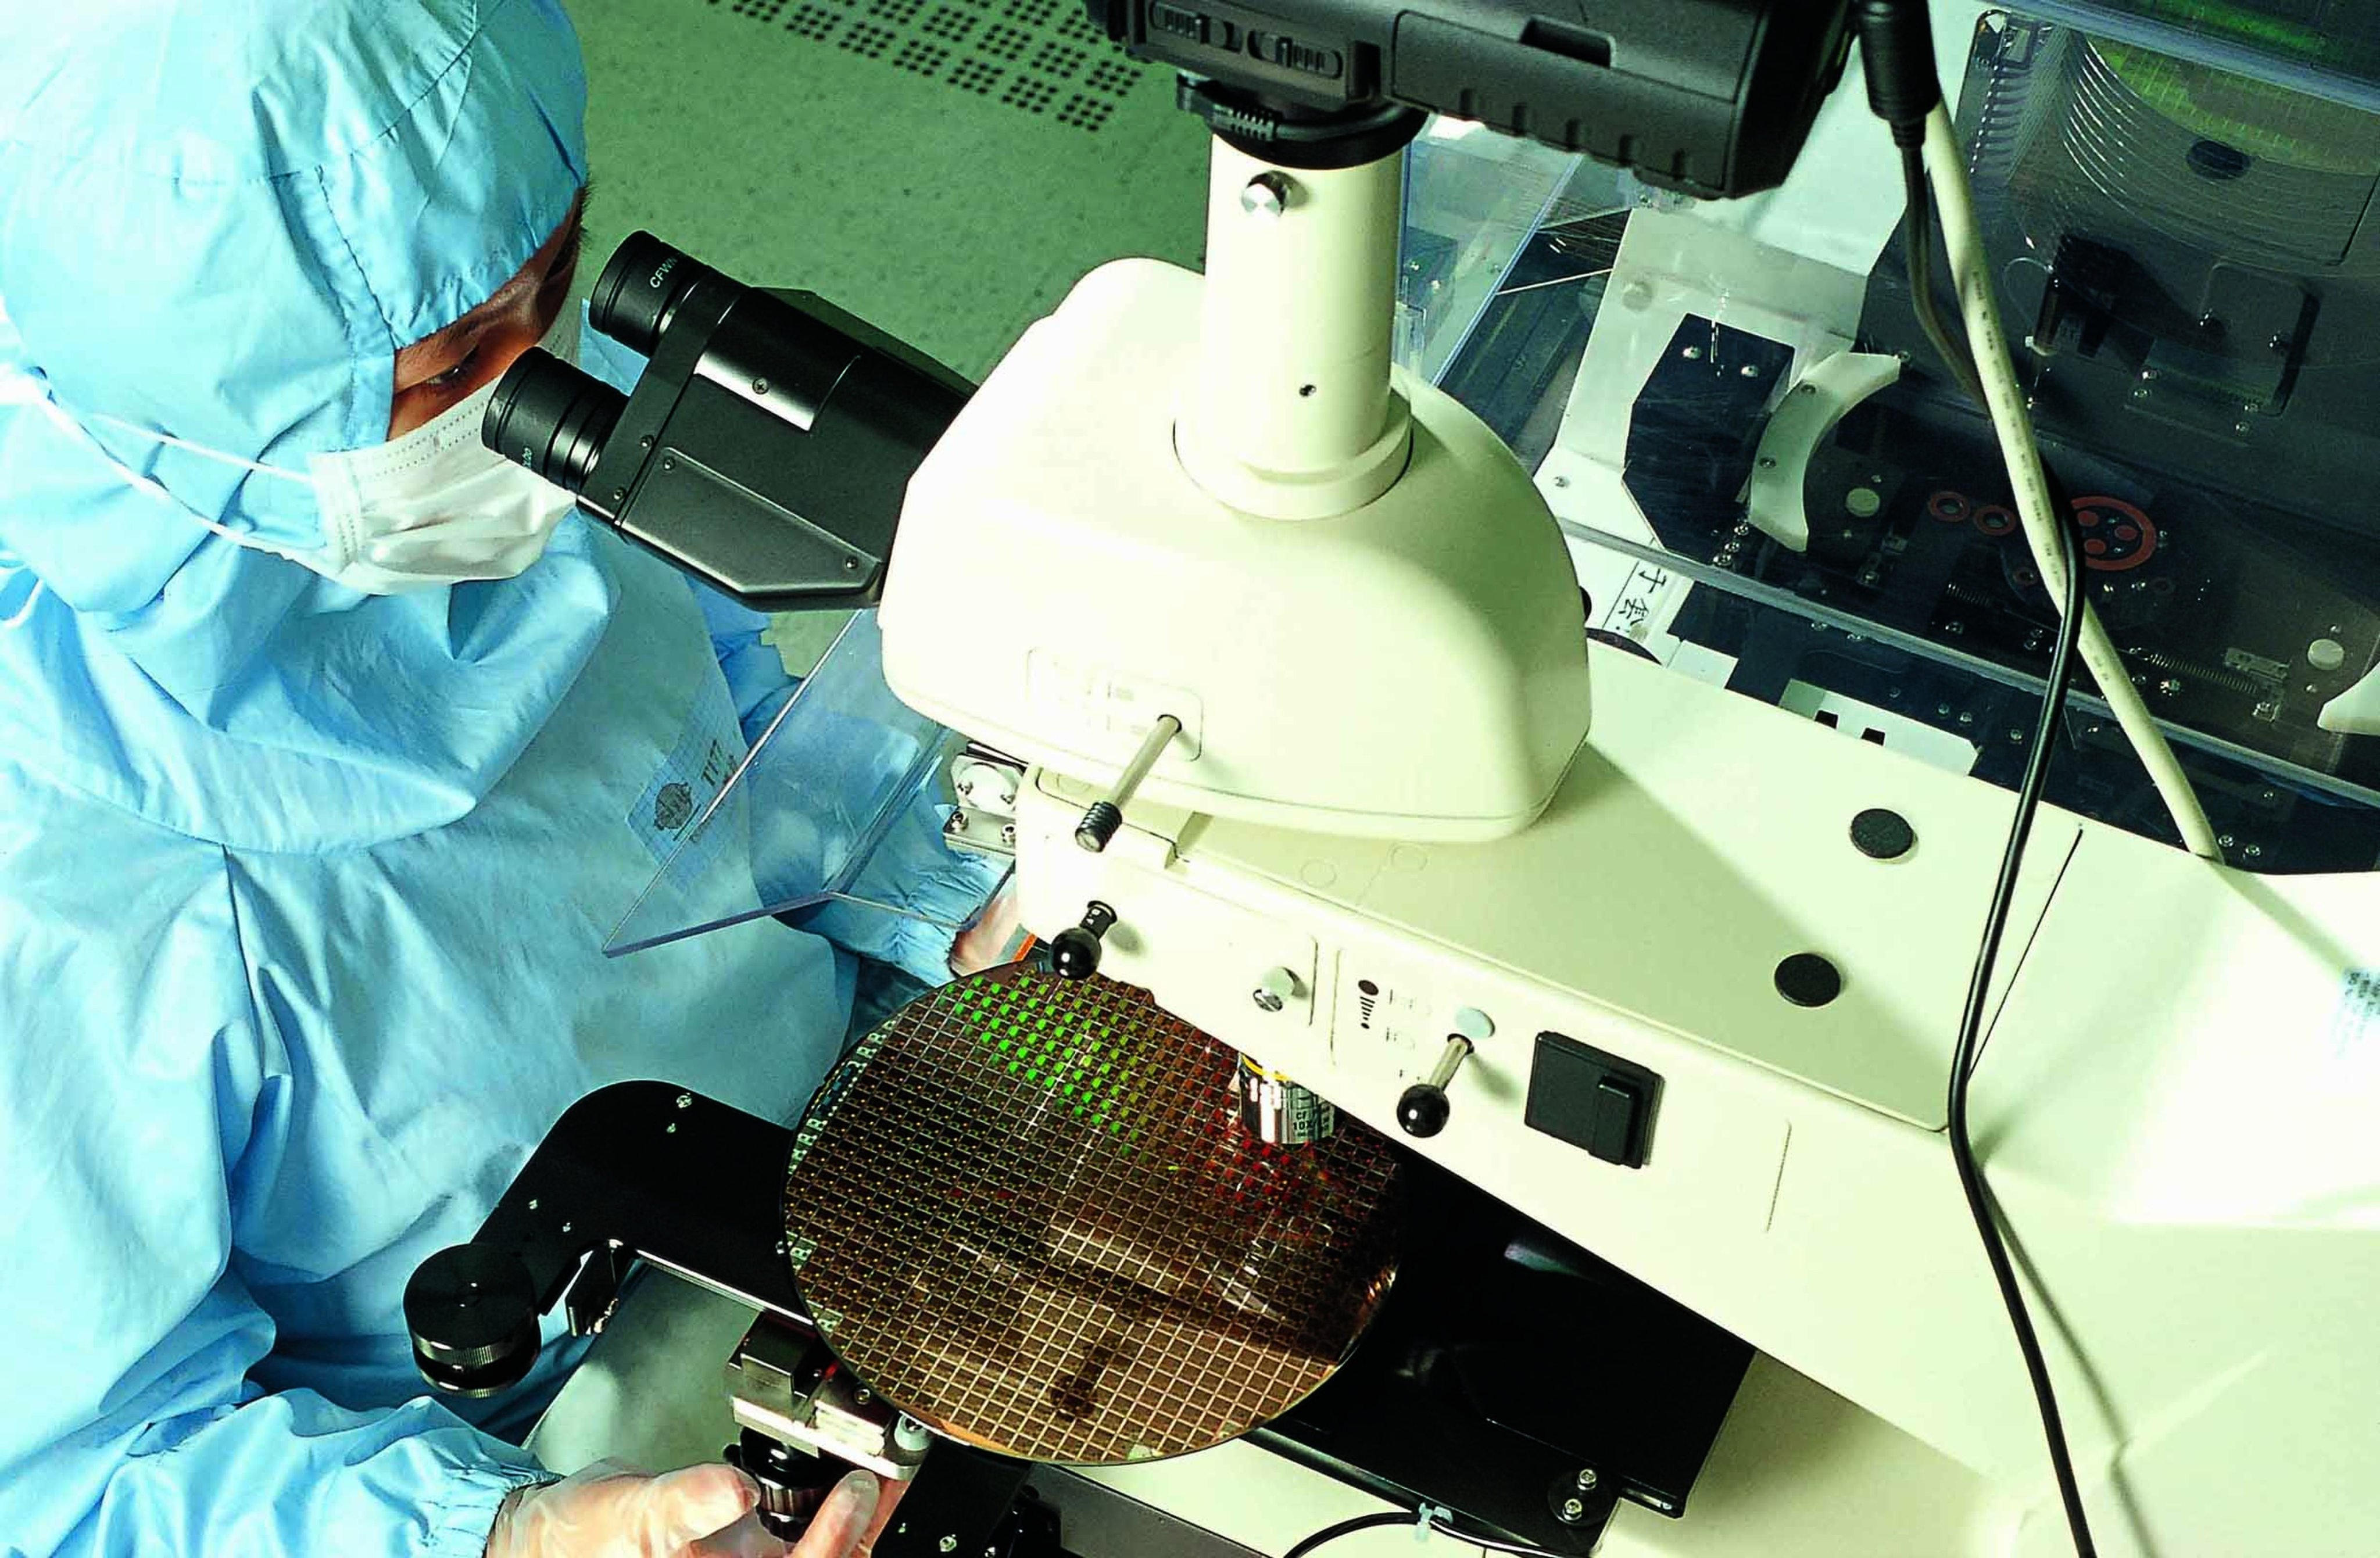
column 1883, row 835
column 1075, row 953
column 1423, row 1110
column 1807, row 980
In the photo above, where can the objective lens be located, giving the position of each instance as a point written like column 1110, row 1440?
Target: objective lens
column 553, row 417
column 640, row 288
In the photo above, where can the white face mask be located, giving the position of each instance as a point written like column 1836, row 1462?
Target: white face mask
column 430, row 507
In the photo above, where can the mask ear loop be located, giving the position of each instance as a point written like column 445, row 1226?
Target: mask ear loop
column 157, row 489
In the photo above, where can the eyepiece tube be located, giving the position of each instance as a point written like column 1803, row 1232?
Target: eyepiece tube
column 640, row 288
column 552, row 416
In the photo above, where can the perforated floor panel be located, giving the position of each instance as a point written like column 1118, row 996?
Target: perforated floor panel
column 1023, row 1212
column 1041, row 57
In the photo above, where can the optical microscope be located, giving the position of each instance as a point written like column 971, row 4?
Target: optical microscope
column 1292, row 704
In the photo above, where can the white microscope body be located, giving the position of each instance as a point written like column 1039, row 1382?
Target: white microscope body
column 1215, row 501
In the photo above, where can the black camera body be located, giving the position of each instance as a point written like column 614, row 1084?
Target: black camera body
column 1710, row 97
column 767, row 447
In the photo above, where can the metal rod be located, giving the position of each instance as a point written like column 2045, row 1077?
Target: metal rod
column 1450, row 1060
column 1100, row 822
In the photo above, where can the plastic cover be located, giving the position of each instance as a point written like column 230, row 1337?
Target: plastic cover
column 802, row 815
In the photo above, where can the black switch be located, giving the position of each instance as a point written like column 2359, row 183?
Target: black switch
column 1313, row 61
column 1592, row 1098
column 1178, row 21
column 1616, row 1132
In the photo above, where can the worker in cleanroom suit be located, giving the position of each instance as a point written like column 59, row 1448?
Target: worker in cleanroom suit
column 329, row 745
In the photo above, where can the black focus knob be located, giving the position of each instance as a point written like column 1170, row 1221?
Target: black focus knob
column 1075, row 954
column 472, row 1312
column 1099, row 826
column 1423, row 1109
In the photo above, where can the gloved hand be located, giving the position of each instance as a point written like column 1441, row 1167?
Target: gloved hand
column 608, row 1511
column 985, row 944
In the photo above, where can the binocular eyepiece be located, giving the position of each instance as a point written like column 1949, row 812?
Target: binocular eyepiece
column 552, row 417
column 766, row 450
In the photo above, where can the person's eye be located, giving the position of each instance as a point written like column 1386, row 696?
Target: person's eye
column 455, row 375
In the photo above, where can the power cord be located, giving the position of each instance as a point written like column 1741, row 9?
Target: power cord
column 1903, row 89
column 1422, row 1517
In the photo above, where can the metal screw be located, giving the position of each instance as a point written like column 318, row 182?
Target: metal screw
column 948, row 1544
column 1265, row 1000
column 1573, row 1510
column 686, row 1100
column 1562, row 481
column 668, row 464
column 2279, row 343
column 2140, row 394
column 759, row 386
column 1768, row 462
column 645, row 442
column 2017, row 736
column 619, row 494
column 1694, row 353
column 2271, row 795
column 669, row 1130
column 1942, row 711
column 1587, row 1479
column 1266, row 195
column 2255, row 851
column 1966, row 717
column 2170, row 687
column 2224, row 841
column 1806, row 389
column 1008, row 833
column 863, row 1396
column 1749, row 371
column 954, row 824
column 2148, row 374
column 2241, row 428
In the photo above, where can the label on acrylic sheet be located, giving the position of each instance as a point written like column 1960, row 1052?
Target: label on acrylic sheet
column 690, row 777
column 2355, row 1020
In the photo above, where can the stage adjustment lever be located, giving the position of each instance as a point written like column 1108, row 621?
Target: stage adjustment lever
column 1422, row 1109
column 1075, row 954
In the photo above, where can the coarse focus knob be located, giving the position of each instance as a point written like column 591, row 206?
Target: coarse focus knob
column 1423, row 1109
column 471, row 1310
column 1075, row 954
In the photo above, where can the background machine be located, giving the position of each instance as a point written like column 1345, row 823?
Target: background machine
column 1257, row 598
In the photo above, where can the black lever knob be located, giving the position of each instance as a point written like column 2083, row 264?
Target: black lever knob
column 1075, row 954
column 1422, row 1109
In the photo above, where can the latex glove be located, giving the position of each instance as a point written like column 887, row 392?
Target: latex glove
column 608, row 1511
column 985, row 944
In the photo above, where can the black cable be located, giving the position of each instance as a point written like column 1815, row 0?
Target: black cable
column 1918, row 240
column 1408, row 1517
column 1349, row 1528
column 2028, row 804
column 1971, row 1022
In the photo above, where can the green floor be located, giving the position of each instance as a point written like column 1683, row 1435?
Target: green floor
column 945, row 169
